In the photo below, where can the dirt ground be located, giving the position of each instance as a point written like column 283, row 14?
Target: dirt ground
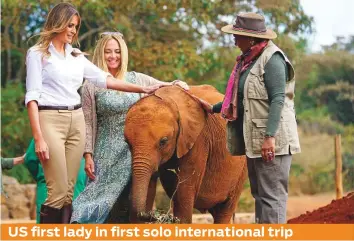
column 298, row 205
column 337, row 211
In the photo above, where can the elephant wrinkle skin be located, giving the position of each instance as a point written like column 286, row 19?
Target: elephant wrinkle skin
column 170, row 130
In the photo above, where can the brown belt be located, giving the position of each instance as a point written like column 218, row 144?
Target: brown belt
column 47, row 107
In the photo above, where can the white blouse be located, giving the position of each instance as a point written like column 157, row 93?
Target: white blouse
column 54, row 81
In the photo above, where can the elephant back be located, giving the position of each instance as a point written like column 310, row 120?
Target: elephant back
column 207, row 93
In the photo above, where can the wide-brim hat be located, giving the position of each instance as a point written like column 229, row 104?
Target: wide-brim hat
column 250, row 24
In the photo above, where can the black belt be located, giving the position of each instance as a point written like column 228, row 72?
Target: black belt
column 47, row 107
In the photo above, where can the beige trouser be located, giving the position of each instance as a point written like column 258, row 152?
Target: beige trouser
column 64, row 133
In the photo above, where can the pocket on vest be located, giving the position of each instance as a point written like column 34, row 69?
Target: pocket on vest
column 256, row 87
column 259, row 127
column 258, row 97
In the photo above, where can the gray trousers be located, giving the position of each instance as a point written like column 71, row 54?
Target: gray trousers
column 269, row 187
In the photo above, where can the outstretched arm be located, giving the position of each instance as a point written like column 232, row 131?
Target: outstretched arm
column 105, row 80
column 8, row 163
column 146, row 80
column 209, row 107
column 115, row 84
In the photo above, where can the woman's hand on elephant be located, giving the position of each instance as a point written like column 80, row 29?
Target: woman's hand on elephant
column 152, row 88
column 268, row 148
column 181, row 84
column 89, row 166
column 206, row 106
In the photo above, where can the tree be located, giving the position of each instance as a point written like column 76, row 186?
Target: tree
column 166, row 39
column 15, row 131
column 327, row 80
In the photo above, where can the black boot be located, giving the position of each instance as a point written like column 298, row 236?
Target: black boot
column 50, row 215
column 66, row 213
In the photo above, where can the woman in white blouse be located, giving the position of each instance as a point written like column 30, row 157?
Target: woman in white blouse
column 55, row 71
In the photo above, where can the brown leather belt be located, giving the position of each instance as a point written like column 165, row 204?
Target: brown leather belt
column 47, row 107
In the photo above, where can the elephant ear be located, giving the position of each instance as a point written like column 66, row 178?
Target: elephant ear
column 192, row 117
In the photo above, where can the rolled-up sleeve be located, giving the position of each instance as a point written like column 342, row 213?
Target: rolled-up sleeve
column 34, row 76
column 94, row 74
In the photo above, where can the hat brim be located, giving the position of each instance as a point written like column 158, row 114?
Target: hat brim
column 269, row 34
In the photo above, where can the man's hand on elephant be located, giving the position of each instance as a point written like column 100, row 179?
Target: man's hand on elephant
column 181, row 84
column 268, row 148
column 89, row 166
column 206, row 106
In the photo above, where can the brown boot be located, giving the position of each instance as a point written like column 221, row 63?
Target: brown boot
column 50, row 215
column 66, row 213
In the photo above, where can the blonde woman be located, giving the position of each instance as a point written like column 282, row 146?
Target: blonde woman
column 55, row 71
column 108, row 158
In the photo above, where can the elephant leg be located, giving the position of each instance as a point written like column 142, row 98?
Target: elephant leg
column 183, row 198
column 183, row 202
column 223, row 212
column 151, row 193
column 168, row 180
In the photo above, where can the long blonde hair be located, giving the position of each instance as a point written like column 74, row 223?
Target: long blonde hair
column 57, row 21
column 98, row 54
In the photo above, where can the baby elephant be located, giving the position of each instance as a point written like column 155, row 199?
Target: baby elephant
column 171, row 136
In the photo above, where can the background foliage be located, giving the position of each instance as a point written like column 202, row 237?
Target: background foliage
column 182, row 39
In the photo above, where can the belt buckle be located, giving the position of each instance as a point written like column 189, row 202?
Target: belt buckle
column 72, row 107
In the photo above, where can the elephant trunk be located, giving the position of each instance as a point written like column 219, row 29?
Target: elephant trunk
column 142, row 172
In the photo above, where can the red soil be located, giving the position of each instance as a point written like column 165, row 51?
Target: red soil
column 338, row 211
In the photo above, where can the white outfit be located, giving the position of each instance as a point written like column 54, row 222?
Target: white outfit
column 54, row 81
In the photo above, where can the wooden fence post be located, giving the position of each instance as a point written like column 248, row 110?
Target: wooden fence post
column 338, row 153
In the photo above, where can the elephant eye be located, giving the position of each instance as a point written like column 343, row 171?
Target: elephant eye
column 163, row 141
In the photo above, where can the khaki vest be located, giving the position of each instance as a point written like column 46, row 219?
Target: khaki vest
column 256, row 109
